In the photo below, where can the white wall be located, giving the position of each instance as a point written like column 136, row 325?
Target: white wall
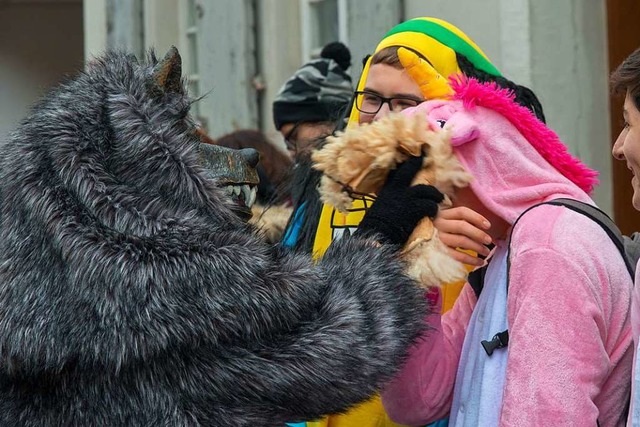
column 480, row 20
column 95, row 27
column 369, row 21
column 161, row 25
column 39, row 44
column 570, row 69
column 227, row 61
column 279, row 54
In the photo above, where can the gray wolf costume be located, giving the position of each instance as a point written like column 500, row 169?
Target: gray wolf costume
column 131, row 294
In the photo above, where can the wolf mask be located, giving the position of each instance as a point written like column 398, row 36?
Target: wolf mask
column 132, row 294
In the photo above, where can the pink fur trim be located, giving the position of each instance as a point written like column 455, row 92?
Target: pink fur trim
column 489, row 95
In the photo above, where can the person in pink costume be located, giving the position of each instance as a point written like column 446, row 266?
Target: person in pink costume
column 569, row 356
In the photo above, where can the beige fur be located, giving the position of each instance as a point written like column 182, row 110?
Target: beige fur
column 358, row 161
column 271, row 221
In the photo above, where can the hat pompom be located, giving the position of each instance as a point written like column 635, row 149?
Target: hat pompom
column 339, row 53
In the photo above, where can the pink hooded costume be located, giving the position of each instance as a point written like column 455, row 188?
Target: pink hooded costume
column 569, row 358
column 634, row 410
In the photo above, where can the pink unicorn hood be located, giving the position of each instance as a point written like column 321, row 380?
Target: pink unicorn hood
column 515, row 159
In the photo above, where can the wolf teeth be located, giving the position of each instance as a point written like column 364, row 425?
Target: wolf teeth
column 246, row 195
column 252, row 196
column 249, row 195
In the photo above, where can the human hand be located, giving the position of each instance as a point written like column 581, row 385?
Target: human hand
column 399, row 206
column 463, row 228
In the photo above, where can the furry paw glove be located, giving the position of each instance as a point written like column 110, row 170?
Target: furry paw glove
column 399, row 206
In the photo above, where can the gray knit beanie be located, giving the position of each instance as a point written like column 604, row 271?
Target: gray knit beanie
column 319, row 91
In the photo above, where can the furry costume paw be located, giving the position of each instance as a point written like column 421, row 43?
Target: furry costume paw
column 358, row 161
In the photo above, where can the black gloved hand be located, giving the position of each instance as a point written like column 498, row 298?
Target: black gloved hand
column 399, row 207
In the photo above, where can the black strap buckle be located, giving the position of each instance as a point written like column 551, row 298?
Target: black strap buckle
column 499, row 340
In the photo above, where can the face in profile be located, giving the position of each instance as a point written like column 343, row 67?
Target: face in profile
column 465, row 197
column 627, row 146
column 387, row 89
column 300, row 138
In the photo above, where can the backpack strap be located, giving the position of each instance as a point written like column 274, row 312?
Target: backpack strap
column 604, row 221
column 632, row 248
column 501, row 339
column 476, row 280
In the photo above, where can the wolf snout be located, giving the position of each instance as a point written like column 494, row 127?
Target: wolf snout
column 251, row 156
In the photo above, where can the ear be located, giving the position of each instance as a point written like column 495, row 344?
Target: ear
column 167, row 74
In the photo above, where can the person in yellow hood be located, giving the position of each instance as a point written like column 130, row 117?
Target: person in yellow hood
column 393, row 79
column 411, row 64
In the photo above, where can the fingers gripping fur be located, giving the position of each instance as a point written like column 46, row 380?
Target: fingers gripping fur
column 362, row 158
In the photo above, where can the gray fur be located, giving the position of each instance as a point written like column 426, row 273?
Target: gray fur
column 131, row 295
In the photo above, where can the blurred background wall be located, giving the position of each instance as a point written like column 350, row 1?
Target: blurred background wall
column 238, row 53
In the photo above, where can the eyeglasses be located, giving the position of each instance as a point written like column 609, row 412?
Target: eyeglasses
column 371, row 103
column 290, row 139
column 299, row 138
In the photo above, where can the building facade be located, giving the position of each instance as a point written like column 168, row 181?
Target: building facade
column 238, row 53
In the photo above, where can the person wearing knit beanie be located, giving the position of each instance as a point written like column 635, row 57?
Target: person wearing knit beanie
column 310, row 103
column 308, row 108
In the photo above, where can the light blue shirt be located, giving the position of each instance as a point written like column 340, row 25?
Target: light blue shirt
column 477, row 396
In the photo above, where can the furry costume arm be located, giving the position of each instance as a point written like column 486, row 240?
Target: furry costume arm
column 340, row 353
column 422, row 392
column 294, row 340
column 129, row 286
column 127, row 280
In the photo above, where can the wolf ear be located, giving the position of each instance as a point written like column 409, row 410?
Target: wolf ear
column 167, row 74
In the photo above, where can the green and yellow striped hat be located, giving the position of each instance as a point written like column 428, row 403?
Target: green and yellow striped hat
column 436, row 40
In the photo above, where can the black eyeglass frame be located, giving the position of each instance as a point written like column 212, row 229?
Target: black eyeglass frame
column 383, row 100
column 290, row 143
